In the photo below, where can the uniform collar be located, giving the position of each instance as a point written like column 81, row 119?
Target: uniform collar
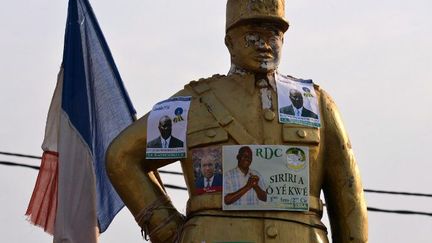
column 245, row 81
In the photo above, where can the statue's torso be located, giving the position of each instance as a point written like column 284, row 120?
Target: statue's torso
column 242, row 101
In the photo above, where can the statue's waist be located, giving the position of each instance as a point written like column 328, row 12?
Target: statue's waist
column 211, row 205
column 214, row 201
column 204, row 213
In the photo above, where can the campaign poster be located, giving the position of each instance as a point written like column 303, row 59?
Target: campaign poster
column 265, row 177
column 207, row 164
column 166, row 129
column 298, row 102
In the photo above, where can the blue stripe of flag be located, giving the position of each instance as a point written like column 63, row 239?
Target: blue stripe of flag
column 94, row 98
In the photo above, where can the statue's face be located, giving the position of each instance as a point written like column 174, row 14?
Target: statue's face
column 255, row 47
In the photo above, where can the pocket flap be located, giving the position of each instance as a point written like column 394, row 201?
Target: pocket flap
column 300, row 134
column 207, row 136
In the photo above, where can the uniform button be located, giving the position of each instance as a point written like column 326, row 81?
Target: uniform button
column 269, row 115
column 301, row 133
column 210, row 133
column 272, row 232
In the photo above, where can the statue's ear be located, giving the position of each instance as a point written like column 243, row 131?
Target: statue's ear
column 228, row 42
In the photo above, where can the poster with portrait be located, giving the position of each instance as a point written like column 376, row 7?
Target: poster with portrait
column 207, row 164
column 297, row 101
column 265, row 177
column 166, row 129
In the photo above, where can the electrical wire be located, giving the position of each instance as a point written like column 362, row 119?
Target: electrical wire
column 21, row 155
column 170, row 172
column 398, row 193
column 179, row 173
column 175, row 187
column 20, row 165
column 372, row 209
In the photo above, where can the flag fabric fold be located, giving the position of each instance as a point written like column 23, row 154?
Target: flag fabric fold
column 89, row 108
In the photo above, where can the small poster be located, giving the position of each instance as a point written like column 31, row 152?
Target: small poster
column 207, row 163
column 265, row 177
column 166, row 129
column 297, row 101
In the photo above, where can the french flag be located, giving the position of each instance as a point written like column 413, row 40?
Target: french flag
column 73, row 198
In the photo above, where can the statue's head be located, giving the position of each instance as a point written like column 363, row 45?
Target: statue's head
column 254, row 33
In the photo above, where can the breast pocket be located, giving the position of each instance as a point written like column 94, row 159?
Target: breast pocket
column 207, row 136
column 297, row 134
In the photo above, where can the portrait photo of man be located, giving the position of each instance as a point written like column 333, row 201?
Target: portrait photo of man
column 297, row 108
column 165, row 140
column 210, row 180
column 243, row 185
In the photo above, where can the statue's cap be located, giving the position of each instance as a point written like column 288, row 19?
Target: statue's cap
column 245, row 11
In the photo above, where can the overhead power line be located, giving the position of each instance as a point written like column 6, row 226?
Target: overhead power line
column 398, row 193
column 20, row 165
column 372, row 209
column 398, row 211
column 21, row 155
column 170, row 172
column 179, row 173
column 175, row 187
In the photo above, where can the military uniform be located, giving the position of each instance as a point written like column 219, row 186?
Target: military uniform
column 227, row 110
column 231, row 110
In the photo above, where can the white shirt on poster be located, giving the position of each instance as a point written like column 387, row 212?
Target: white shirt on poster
column 165, row 142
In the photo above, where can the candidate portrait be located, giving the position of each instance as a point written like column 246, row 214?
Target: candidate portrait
column 209, row 180
column 165, row 140
column 297, row 106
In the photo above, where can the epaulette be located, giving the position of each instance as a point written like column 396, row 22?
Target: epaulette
column 218, row 110
column 201, row 85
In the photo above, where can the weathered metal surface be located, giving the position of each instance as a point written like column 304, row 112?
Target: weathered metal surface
column 229, row 110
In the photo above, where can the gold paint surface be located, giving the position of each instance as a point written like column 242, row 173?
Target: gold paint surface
column 332, row 170
column 272, row 231
column 269, row 115
column 301, row 133
column 298, row 134
column 227, row 110
column 241, row 11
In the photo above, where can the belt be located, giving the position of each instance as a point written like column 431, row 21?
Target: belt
column 209, row 205
column 214, row 202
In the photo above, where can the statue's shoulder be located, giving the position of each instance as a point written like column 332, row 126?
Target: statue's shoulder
column 202, row 85
column 202, row 126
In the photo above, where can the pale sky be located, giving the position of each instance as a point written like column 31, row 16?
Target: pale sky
column 373, row 57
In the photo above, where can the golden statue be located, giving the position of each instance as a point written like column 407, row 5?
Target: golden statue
column 241, row 108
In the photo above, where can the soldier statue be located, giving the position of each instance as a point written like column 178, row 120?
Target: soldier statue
column 241, row 108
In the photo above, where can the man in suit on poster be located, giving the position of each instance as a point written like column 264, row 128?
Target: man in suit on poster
column 165, row 140
column 209, row 181
column 296, row 108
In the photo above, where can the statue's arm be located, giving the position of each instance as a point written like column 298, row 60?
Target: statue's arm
column 342, row 183
column 138, row 184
